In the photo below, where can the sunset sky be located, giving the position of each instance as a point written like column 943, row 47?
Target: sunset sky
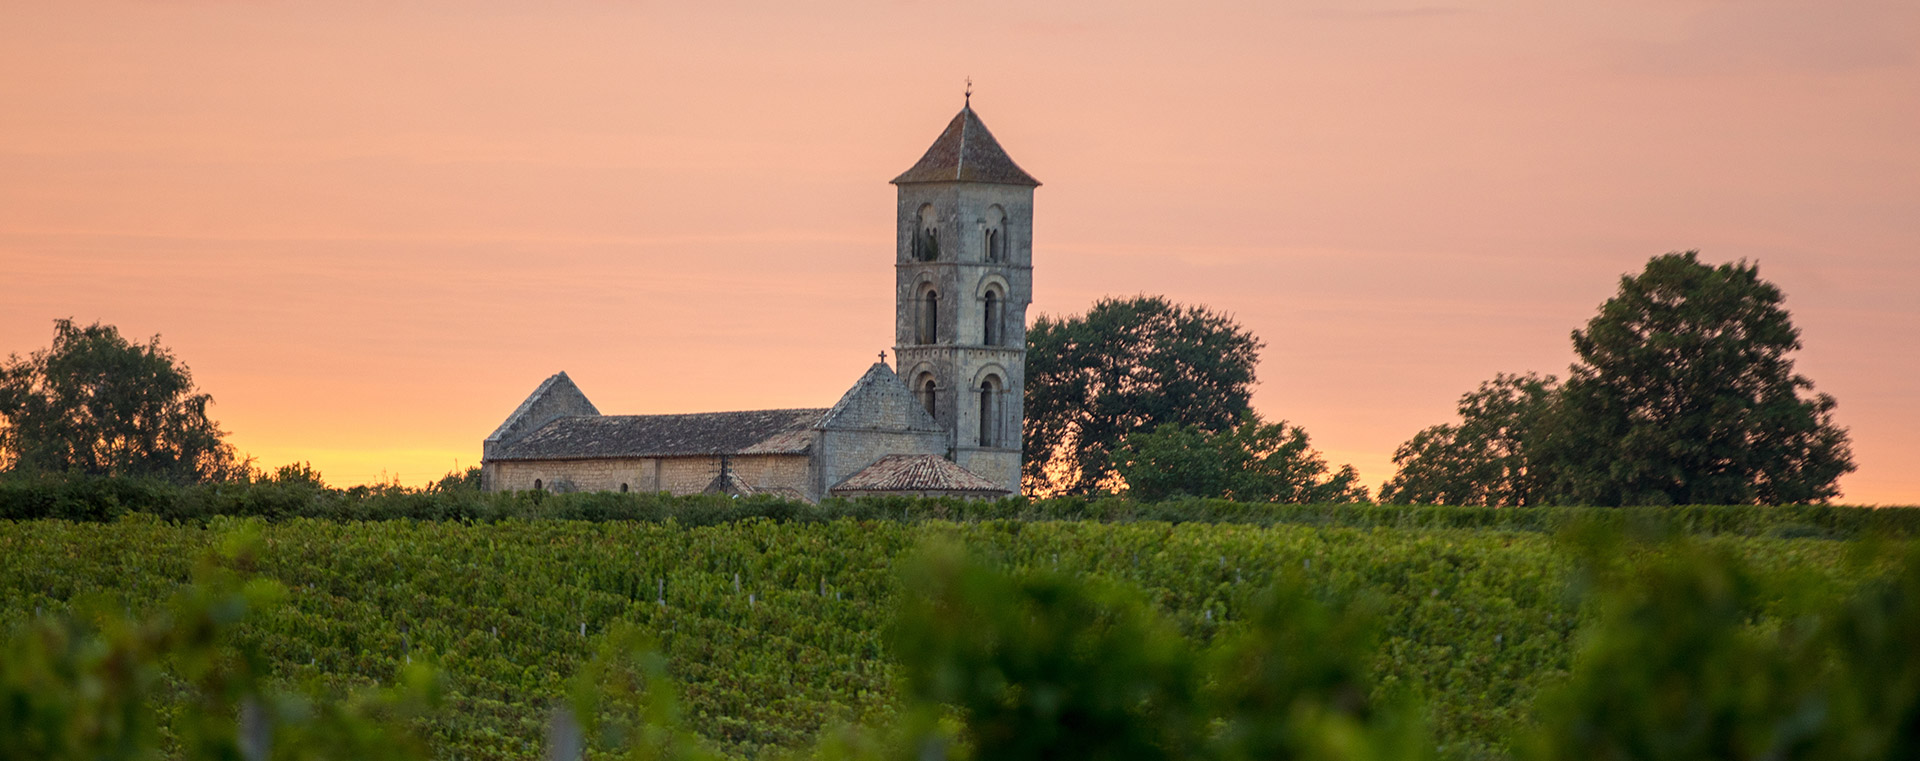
column 371, row 228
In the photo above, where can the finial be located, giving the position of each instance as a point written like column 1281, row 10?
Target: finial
column 969, row 92
column 883, row 356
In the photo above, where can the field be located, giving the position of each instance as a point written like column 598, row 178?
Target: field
column 773, row 628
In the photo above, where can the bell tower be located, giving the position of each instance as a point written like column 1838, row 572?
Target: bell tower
column 963, row 279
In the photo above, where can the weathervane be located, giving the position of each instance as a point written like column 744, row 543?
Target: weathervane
column 969, row 91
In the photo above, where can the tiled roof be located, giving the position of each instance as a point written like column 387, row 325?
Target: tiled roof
column 702, row 433
column 966, row 152
column 917, row 473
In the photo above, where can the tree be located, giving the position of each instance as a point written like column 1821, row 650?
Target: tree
column 1488, row 459
column 1250, row 462
column 1683, row 393
column 458, row 481
column 1129, row 365
column 96, row 404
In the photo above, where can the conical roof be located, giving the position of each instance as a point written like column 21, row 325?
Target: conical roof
column 966, row 152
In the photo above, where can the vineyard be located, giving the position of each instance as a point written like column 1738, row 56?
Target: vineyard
column 773, row 629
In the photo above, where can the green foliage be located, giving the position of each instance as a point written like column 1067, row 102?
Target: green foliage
column 1043, row 666
column 96, row 684
column 466, row 481
column 1127, row 366
column 1675, row 671
column 81, row 498
column 1877, row 708
column 1070, row 640
column 509, row 609
column 1683, row 393
column 95, row 404
column 1686, row 661
column 625, row 704
column 1294, row 682
column 1250, row 462
column 1489, row 458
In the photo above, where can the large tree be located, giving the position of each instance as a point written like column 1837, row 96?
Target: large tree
column 1250, row 462
column 1129, row 365
column 1486, row 459
column 97, row 404
column 1683, row 393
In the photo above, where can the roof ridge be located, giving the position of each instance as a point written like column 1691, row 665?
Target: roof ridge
column 713, row 412
column 960, row 165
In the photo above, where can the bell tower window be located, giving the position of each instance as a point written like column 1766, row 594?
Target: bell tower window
column 929, row 323
column 990, row 319
column 926, row 236
column 994, row 236
column 927, row 393
column 989, row 412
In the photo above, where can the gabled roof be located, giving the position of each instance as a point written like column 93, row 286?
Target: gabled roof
column 917, row 473
column 555, row 396
column 967, row 152
column 879, row 401
column 702, row 433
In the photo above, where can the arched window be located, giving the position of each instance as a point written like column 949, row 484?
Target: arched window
column 994, row 237
column 990, row 319
column 623, row 488
column 989, row 412
column 929, row 328
column 927, row 393
column 536, row 484
column 926, row 236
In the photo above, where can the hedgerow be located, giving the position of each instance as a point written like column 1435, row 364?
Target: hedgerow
column 80, row 498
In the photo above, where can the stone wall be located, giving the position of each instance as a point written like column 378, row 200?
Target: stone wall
column 958, row 359
column 838, row 454
column 676, row 475
column 1000, row 466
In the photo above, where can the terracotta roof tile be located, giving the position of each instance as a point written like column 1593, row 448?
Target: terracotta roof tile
column 917, row 473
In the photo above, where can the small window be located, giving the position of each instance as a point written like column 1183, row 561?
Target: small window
column 926, row 236
column 989, row 412
column 623, row 488
column 536, row 484
column 994, row 239
column 929, row 328
column 927, row 394
column 990, row 319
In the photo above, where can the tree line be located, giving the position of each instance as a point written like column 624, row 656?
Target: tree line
column 1682, row 392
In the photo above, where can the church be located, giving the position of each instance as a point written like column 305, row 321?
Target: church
column 945, row 420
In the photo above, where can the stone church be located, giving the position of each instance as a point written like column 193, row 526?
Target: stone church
column 946, row 420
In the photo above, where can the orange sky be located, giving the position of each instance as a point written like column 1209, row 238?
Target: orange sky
column 371, row 228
